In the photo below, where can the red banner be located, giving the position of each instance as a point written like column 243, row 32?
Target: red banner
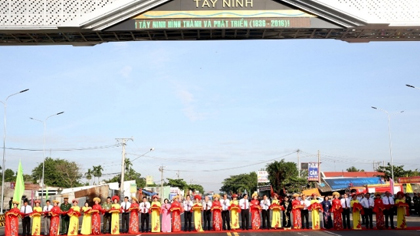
column 409, row 180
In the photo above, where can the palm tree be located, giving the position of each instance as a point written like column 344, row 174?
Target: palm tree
column 88, row 175
column 97, row 171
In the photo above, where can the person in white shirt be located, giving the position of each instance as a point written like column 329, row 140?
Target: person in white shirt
column 207, row 213
column 368, row 204
column 144, row 217
column 305, row 212
column 188, row 204
column 244, row 205
column 225, row 212
column 125, row 206
column 47, row 221
column 265, row 213
column 388, row 201
column 345, row 204
column 26, row 220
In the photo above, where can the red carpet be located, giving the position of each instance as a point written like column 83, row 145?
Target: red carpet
column 261, row 230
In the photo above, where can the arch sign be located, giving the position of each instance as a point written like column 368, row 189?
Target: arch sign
column 222, row 14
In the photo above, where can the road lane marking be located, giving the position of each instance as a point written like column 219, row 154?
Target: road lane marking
column 229, row 234
column 329, row 232
column 236, row 233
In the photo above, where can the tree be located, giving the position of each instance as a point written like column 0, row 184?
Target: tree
column 88, row 175
column 240, row 183
column 196, row 187
column 398, row 171
column 58, row 172
column 284, row 176
column 354, row 169
column 180, row 183
column 129, row 174
column 9, row 175
column 97, row 171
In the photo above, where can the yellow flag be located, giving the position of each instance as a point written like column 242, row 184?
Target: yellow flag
column 408, row 188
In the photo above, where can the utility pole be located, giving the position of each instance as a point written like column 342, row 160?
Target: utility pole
column 299, row 170
column 123, row 142
column 161, row 184
column 319, row 167
column 177, row 175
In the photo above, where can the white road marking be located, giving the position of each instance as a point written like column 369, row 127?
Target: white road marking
column 331, row 233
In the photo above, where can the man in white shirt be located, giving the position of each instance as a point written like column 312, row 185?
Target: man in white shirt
column 47, row 221
column 207, row 212
column 144, row 211
column 265, row 206
column 225, row 212
column 26, row 220
column 368, row 204
column 360, row 197
column 389, row 212
column 125, row 221
column 305, row 212
column 244, row 205
column 345, row 204
column 187, row 213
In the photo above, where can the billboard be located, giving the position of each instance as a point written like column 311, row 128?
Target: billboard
column 222, row 14
column 262, row 177
column 313, row 173
column 409, row 180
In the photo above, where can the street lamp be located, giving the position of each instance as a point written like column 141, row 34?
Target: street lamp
column 43, row 149
column 390, row 140
column 4, row 146
column 411, row 86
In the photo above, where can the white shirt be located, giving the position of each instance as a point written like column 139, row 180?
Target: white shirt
column 367, row 203
column 244, row 204
column 207, row 205
column 47, row 208
column 344, row 201
column 388, row 200
column 265, row 204
column 144, row 207
column 125, row 206
column 26, row 209
column 187, row 205
column 306, row 203
column 225, row 204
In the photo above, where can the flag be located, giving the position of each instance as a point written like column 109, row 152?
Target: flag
column 408, row 188
column 391, row 184
column 20, row 184
column 46, row 195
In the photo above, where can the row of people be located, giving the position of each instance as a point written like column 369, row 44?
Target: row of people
column 225, row 214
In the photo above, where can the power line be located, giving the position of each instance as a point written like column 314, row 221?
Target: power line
column 64, row 149
column 236, row 167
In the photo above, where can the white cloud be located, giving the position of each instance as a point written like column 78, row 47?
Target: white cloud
column 126, row 71
column 190, row 111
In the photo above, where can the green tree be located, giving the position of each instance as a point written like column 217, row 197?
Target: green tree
column 9, row 175
column 180, row 183
column 284, row 175
column 129, row 174
column 59, row 173
column 354, row 169
column 398, row 171
column 97, row 172
column 196, row 187
column 88, row 175
column 240, row 183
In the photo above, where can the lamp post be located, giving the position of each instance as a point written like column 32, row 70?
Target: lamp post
column 44, row 122
column 390, row 140
column 4, row 145
column 411, row 86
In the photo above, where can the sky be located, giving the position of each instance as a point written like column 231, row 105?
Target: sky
column 212, row 109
